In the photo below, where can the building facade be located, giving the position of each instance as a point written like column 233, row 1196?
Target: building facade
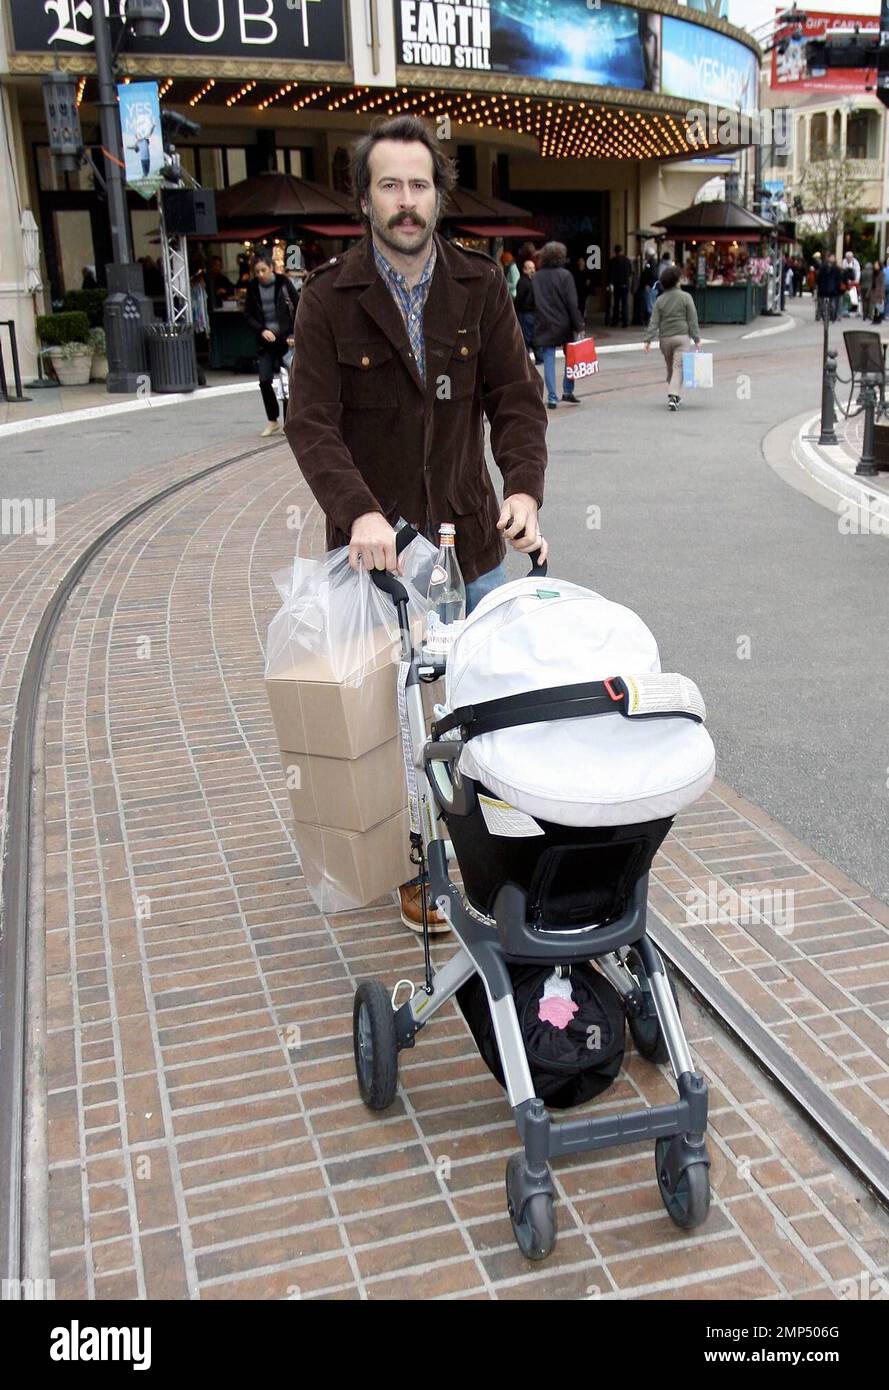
column 577, row 112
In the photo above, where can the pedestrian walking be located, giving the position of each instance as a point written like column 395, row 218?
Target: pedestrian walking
column 648, row 280
column 878, row 293
column 799, row 275
column 510, row 270
column 380, row 330
column 664, row 261
column 269, row 308
column 850, row 276
column 583, row 284
column 524, row 304
column 620, row 273
column 557, row 317
column 828, row 286
column 865, row 289
column 674, row 322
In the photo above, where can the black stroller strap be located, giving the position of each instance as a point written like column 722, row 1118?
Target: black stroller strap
column 610, row 696
column 536, row 707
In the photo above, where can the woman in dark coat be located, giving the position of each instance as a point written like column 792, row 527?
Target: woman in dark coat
column 557, row 317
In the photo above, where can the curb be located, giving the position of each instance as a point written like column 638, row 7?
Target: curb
column 872, row 503
column 790, row 451
column 99, row 412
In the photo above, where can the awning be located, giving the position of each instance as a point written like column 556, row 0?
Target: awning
column 504, row 229
column 242, row 234
column 333, row 229
column 723, row 238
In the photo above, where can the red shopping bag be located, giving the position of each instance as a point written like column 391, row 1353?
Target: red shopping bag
column 580, row 359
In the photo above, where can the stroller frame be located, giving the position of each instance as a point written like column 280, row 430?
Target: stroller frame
column 619, row 948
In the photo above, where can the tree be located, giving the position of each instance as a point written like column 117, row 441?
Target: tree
column 831, row 198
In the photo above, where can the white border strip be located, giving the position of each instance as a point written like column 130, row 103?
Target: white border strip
column 768, row 332
column 845, row 486
column 99, row 412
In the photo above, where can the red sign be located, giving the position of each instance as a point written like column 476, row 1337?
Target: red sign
column 789, row 71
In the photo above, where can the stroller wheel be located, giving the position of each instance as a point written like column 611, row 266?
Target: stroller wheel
column 645, row 1029
column 376, row 1048
column 530, row 1207
column 688, row 1200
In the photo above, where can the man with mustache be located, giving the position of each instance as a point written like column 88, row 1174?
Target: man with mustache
column 402, row 346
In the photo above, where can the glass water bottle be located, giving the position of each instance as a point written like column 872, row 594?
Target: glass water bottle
column 447, row 592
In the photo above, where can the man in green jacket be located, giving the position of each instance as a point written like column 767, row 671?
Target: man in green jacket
column 674, row 322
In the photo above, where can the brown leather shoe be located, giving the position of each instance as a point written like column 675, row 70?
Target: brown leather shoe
column 412, row 910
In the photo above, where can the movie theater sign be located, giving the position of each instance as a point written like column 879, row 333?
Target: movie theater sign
column 274, row 29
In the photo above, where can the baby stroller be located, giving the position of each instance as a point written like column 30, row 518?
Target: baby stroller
column 554, row 846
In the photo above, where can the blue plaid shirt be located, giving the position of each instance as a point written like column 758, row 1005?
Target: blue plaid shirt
column 411, row 302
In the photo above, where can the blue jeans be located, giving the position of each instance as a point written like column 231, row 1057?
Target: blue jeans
column 526, row 321
column 477, row 588
column 549, row 375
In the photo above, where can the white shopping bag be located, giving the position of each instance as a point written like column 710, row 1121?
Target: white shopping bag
column 281, row 383
column 697, row 370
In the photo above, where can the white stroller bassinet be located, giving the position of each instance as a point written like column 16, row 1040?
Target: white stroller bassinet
column 571, row 809
column 535, row 634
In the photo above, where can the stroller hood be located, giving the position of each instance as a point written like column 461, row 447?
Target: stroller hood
column 603, row 770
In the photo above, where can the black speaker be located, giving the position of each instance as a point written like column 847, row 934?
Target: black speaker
column 190, row 211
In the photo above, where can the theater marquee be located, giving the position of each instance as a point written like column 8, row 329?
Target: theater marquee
column 599, row 44
column 268, row 29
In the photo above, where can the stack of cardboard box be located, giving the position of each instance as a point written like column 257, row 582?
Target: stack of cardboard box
column 342, row 755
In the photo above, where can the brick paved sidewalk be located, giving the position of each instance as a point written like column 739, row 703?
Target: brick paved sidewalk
column 194, row 1153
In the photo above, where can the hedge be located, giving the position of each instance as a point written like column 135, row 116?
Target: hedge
column 55, row 330
column 89, row 302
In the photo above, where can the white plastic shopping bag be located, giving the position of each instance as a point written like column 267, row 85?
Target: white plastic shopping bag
column 338, row 616
column 697, row 370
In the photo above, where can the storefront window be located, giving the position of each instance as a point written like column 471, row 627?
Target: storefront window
column 289, row 161
column 51, row 181
column 212, row 168
column 861, row 135
column 819, row 136
column 187, row 159
column 237, row 165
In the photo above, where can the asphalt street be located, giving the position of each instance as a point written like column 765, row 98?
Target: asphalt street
column 749, row 586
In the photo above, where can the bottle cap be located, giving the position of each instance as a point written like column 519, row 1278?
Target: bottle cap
column 447, row 528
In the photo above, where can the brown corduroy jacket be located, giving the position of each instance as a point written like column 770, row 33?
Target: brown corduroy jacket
column 368, row 436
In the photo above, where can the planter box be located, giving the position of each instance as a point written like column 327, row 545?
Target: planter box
column 100, row 369
column 71, row 371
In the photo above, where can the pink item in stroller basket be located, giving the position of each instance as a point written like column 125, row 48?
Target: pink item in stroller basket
column 557, row 1006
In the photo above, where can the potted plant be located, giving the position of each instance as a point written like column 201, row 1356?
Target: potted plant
column 65, row 339
column 100, row 356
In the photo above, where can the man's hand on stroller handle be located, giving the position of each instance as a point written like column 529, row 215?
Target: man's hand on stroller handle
column 518, row 522
column 372, row 544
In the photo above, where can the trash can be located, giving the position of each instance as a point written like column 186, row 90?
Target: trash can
column 124, row 329
column 172, row 360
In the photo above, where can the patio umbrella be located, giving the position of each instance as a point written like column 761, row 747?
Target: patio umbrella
column 31, row 252
column 278, row 197
column 716, row 221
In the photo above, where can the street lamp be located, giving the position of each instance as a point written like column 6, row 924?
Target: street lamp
column 63, row 120
column 145, row 17
column 127, row 310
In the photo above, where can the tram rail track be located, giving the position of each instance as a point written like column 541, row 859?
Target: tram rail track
column 16, row 873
